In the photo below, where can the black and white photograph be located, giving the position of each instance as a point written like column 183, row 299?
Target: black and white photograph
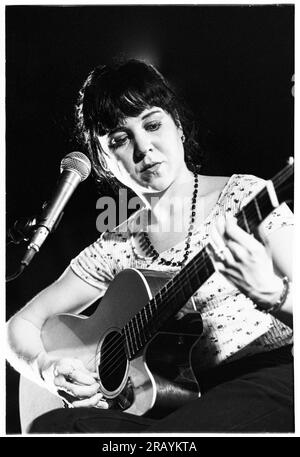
column 149, row 160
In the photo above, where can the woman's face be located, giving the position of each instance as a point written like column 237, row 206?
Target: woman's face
column 145, row 152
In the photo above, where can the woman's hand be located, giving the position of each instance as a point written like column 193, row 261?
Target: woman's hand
column 245, row 262
column 72, row 377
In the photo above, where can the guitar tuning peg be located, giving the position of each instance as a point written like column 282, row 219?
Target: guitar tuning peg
column 290, row 161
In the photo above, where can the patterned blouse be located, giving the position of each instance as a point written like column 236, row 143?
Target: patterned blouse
column 232, row 325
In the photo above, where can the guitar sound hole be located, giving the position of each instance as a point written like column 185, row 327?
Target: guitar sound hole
column 113, row 361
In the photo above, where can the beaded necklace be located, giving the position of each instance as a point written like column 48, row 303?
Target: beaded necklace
column 153, row 252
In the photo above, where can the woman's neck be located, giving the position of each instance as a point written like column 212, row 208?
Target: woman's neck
column 173, row 202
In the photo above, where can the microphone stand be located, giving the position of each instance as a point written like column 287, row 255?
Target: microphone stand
column 17, row 273
column 22, row 230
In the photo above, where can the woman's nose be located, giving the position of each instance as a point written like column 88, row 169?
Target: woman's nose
column 142, row 145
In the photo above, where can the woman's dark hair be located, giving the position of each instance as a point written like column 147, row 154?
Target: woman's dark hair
column 112, row 92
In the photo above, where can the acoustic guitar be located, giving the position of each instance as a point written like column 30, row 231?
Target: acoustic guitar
column 143, row 355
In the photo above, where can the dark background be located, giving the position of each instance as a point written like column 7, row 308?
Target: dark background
column 232, row 64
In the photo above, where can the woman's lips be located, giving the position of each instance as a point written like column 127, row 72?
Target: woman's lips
column 152, row 168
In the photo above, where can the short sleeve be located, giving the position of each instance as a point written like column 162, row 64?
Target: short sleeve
column 94, row 264
column 280, row 217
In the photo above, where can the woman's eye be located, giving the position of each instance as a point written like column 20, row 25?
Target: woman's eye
column 118, row 141
column 152, row 126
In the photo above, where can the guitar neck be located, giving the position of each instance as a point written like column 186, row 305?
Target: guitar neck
column 181, row 287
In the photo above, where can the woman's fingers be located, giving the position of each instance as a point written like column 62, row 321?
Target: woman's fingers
column 95, row 401
column 77, row 390
column 239, row 253
column 74, row 370
column 231, row 244
column 71, row 376
column 217, row 247
column 220, row 255
column 232, row 232
column 77, row 375
column 243, row 260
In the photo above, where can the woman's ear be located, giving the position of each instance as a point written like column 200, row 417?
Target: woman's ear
column 180, row 129
column 179, row 126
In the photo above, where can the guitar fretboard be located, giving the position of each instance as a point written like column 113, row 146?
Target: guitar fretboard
column 177, row 291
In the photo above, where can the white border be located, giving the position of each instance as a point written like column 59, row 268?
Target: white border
column 2, row 191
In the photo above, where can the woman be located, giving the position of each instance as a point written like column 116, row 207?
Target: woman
column 136, row 134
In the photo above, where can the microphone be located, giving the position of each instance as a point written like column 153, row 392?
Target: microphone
column 75, row 167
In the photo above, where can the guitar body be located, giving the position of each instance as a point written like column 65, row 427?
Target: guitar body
column 154, row 382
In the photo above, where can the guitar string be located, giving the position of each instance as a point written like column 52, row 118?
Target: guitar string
column 120, row 335
column 162, row 293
